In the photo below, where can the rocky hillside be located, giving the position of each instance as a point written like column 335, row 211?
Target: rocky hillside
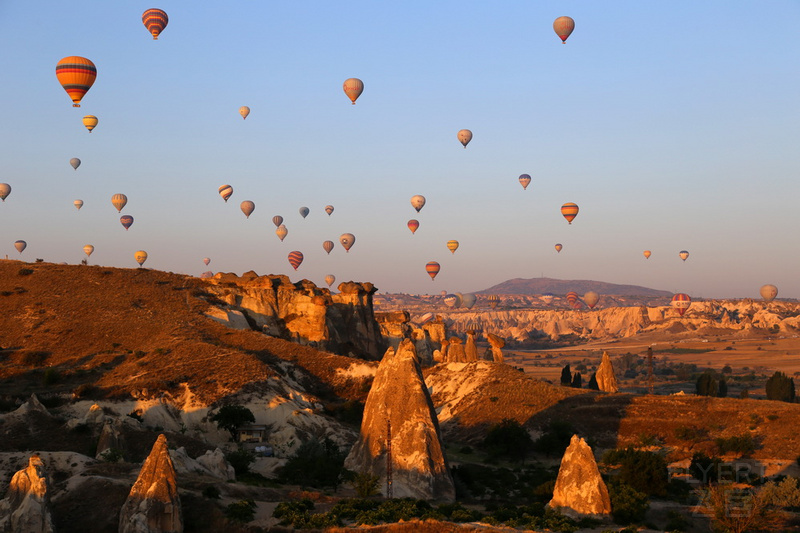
column 563, row 286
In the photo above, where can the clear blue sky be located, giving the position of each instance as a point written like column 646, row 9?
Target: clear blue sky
column 673, row 125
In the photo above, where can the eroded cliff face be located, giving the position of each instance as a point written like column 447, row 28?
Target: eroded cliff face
column 301, row 312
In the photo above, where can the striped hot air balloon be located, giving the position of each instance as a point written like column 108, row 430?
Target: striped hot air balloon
column 353, row 87
column 5, row 190
column 226, row 191
column 451, row 300
column 464, row 137
column 90, row 121
column 328, row 246
column 681, row 302
column 329, row 279
column 558, row 247
column 281, row 232
column 547, row 298
column 525, row 180
column 329, row 209
column 570, row 211
column 452, row 245
column 432, row 268
column 413, row 224
column 126, row 221
column 277, row 220
column 140, row 257
column 119, row 201
column 247, row 208
column 684, row 255
column 563, row 27
column 78, row 204
column 155, row 20
column 494, row 300
column 572, row 299
column 76, row 75
column 647, row 254
column 295, row 258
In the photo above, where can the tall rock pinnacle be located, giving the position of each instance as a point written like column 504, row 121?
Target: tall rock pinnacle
column 606, row 380
column 27, row 507
column 580, row 490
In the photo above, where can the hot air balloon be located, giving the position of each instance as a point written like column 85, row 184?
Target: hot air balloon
column 684, row 255
column 155, row 20
column 75, row 163
column 206, row 261
column 140, row 257
column 353, row 87
column 76, row 75
column 451, row 300
column 769, row 292
column 418, row 202
column 647, row 254
column 304, row 211
column 226, row 191
column 126, row 221
column 681, row 302
column 327, row 246
column 20, row 245
column 464, row 137
column 207, row 274
column 329, row 209
column 281, row 232
column 244, row 111
column 494, row 301
column 570, row 211
column 432, row 268
column 347, row 240
column 572, row 299
column 119, row 201
column 295, row 258
column 247, row 208
column 329, row 279
column 424, row 319
column 563, row 27
column 591, row 298
column 88, row 249
column 452, row 245
column 78, row 204
column 558, row 247
column 525, row 180
column 413, row 225
column 547, row 298
column 5, row 190
column 468, row 300
column 443, row 293
column 90, row 121
column 277, row 220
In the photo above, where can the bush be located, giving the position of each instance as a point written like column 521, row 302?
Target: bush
column 25, row 271
column 742, row 444
column 780, row 387
column 242, row 511
column 365, row 484
column 642, row 471
column 240, row 460
column 627, row 504
column 705, row 469
column 707, row 385
column 231, row 417
column 508, row 439
column 51, row 377
column 315, row 463
column 555, row 439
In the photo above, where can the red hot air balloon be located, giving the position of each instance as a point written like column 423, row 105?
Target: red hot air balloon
column 413, row 225
column 572, row 299
column 126, row 221
column 155, row 20
column 432, row 268
column 295, row 258
column 76, row 75
column 563, row 27
column 570, row 211
column 647, row 254
column 681, row 302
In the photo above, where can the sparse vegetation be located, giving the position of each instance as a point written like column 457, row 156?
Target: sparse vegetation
column 640, row 470
column 240, row 460
column 780, row 387
column 627, row 504
column 242, row 511
column 232, row 417
column 508, row 439
column 314, row 464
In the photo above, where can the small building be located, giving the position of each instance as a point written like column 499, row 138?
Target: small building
column 251, row 433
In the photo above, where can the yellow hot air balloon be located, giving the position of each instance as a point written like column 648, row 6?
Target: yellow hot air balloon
column 353, row 87
column 88, row 249
column 90, row 121
column 647, row 254
column 78, row 204
column 281, row 232
column 563, row 27
column 119, row 201
column 464, row 137
column 452, row 245
column 140, row 257
column 244, row 111
column 569, row 211
column 76, row 75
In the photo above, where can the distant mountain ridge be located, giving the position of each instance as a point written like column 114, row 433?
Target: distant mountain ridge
column 563, row 286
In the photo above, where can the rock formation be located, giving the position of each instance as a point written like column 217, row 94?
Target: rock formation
column 471, row 350
column 211, row 464
column 397, row 325
column 399, row 400
column 153, row 505
column 580, row 490
column 111, row 439
column 26, row 508
column 606, row 380
column 496, row 345
column 455, row 351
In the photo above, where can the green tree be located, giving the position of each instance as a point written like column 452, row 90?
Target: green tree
column 315, row 464
column 627, row 504
column 780, row 387
column 592, row 385
column 577, row 382
column 566, row 376
column 707, row 385
column 232, row 417
column 508, row 439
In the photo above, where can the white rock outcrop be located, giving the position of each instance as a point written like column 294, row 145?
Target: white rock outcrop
column 580, row 490
column 26, row 508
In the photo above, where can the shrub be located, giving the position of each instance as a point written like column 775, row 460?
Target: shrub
column 627, row 504
column 242, row 511
column 84, row 390
column 240, row 460
column 231, row 417
column 25, row 271
column 508, row 439
column 365, row 484
column 51, row 377
column 780, row 387
column 705, row 469
column 707, row 385
column 315, row 463
column 112, row 455
column 641, row 471
column 742, row 444
column 555, row 439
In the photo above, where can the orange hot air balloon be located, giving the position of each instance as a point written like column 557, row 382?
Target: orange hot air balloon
column 353, row 87
column 327, row 246
column 464, row 137
column 525, row 180
column 647, row 254
column 281, row 232
column 769, row 292
column 76, row 75
column 681, row 302
column 558, row 247
column 244, row 111
column 90, row 121
column 684, row 255
column 247, row 208
column 432, row 268
column 226, row 191
column 572, row 299
column 295, row 258
column 563, row 27
column 155, row 20
column 413, row 224
column 140, row 257
column 119, row 201
column 452, row 245
column 570, row 211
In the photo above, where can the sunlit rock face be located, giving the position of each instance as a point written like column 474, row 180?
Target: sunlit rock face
column 342, row 323
column 153, row 505
column 26, row 508
column 399, row 401
column 496, row 345
column 580, row 490
column 606, row 380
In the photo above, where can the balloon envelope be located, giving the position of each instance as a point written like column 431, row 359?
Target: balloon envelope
column 119, row 201
column 464, row 137
column 75, row 163
column 329, row 209
column 468, row 300
column 494, row 300
column 277, row 220
column 647, row 254
column 563, row 27
column 347, row 240
column 558, row 247
column 525, row 180
column 295, row 258
column 570, row 211
column 88, row 249
column 247, row 208
column 591, row 298
column 452, row 245
column 684, row 255
column 78, row 204
column 547, row 297
column 225, row 191
column 155, row 20
column 432, row 268
column 76, row 75
column 304, row 211
column 90, row 121
column 244, row 111
column 769, row 292
column 327, row 246
column 353, row 87
column 413, row 225
column 126, row 221
column 418, row 202
column 572, row 299
column 206, row 261
column 281, row 232
column 140, row 257
column 681, row 302
column 329, row 279
column 451, row 300
column 20, row 245
column 5, row 190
